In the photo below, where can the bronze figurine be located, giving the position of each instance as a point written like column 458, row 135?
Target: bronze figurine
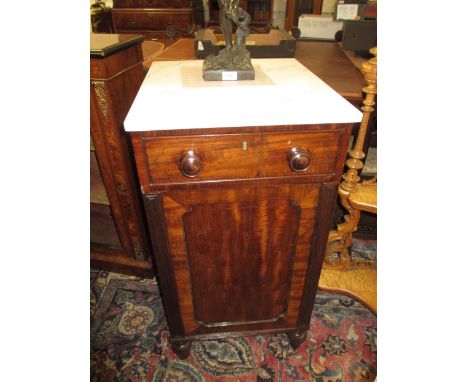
column 232, row 62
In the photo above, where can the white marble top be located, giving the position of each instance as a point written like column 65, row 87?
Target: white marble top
column 284, row 92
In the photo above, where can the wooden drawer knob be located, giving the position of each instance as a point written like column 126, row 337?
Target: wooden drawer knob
column 299, row 159
column 190, row 164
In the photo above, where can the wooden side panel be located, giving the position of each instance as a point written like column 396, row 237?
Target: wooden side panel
column 115, row 81
column 327, row 201
column 114, row 162
column 160, row 239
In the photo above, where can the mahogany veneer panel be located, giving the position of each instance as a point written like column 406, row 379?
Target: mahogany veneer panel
column 256, row 264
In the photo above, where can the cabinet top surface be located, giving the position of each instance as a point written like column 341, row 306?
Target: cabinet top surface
column 103, row 44
column 174, row 96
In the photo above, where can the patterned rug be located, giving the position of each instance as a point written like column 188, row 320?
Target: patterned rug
column 130, row 340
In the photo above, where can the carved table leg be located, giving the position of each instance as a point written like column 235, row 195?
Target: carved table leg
column 296, row 338
column 182, row 349
column 340, row 239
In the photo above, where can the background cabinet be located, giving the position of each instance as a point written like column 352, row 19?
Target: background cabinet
column 157, row 18
column 118, row 233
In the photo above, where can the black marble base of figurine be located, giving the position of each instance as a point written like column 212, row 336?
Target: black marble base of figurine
column 229, row 75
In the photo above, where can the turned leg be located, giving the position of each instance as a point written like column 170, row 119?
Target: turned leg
column 296, row 338
column 182, row 348
column 339, row 240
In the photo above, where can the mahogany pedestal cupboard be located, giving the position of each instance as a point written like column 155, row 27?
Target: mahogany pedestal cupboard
column 118, row 234
column 238, row 196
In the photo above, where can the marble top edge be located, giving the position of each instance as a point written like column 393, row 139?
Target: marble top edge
column 284, row 92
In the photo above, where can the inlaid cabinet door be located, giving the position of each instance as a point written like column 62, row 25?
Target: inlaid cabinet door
column 234, row 259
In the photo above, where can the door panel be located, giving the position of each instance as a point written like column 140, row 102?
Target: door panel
column 240, row 255
column 257, row 240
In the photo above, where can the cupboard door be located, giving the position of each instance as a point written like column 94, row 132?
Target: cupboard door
column 234, row 259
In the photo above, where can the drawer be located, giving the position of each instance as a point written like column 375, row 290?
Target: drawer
column 152, row 19
column 185, row 159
